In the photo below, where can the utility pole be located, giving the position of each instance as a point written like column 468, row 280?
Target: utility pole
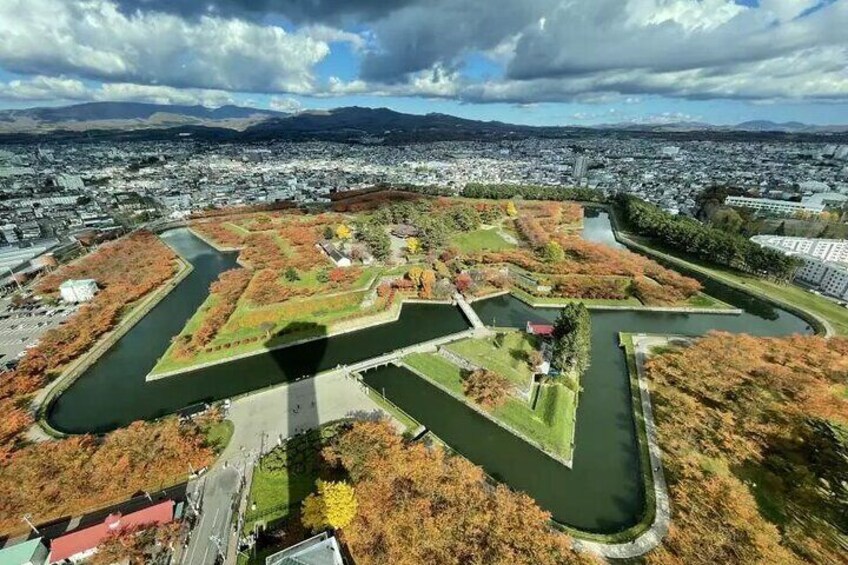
column 30, row 524
column 14, row 279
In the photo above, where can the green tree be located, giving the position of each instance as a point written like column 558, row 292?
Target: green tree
column 553, row 252
column 292, row 275
column 572, row 336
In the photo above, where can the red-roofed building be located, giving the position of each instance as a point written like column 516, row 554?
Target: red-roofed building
column 543, row 330
column 81, row 544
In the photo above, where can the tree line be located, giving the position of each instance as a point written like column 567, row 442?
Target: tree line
column 704, row 242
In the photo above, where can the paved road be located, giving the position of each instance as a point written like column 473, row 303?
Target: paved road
column 263, row 420
column 658, row 530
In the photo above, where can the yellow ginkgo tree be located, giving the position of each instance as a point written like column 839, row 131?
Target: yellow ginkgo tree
column 332, row 506
column 413, row 245
column 343, row 232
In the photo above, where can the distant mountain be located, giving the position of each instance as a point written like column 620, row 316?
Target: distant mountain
column 130, row 120
column 753, row 126
column 127, row 115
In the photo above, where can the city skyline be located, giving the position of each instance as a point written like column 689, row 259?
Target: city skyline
column 543, row 62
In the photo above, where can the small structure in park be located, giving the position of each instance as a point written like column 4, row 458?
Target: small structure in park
column 79, row 290
column 335, row 255
column 81, row 544
column 545, row 332
column 541, row 330
column 322, row 549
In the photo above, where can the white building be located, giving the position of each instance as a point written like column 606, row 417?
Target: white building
column 782, row 207
column 835, row 250
column 829, row 278
column 81, row 290
column 322, row 549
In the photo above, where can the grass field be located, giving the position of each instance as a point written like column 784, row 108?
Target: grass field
column 218, row 435
column 509, row 359
column 551, row 424
column 481, row 240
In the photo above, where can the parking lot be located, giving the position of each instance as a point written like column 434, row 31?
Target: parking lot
column 21, row 328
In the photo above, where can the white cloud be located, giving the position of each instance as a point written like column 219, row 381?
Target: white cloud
column 93, row 39
column 42, row 88
column 288, row 105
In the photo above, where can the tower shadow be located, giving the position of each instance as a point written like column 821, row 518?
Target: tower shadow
column 290, row 461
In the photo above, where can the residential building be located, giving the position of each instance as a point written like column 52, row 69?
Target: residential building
column 829, row 278
column 581, row 167
column 322, row 549
column 30, row 552
column 78, row 290
column 335, row 255
column 835, row 250
column 81, row 544
column 780, row 207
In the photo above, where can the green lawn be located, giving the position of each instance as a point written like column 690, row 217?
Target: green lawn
column 702, row 300
column 551, row 424
column 509, row 359
column 480, row 240
column 218, row 435
column 286, row 476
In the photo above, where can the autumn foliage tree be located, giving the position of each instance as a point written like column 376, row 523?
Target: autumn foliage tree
column 421, row 505
column 753, row 431
column 486, row 388
column 137, row 545
column 69, row 476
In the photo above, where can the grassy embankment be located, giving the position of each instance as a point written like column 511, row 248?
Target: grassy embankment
column 507, row 357
column 786, row 295
column 550, row 423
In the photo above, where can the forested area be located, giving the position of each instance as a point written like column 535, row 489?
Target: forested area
column 755, row 439
column 421, row 505
column 532, row 192
column 709, row 244
column 69, row 476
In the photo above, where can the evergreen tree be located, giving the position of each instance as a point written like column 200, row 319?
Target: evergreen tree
column 573, row 339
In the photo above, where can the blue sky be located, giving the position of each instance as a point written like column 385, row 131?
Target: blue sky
column 540, row 62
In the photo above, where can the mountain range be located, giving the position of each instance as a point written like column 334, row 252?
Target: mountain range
column 133, row 120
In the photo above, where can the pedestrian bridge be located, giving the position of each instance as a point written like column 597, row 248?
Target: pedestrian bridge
column 469, row 312
column 396, row 355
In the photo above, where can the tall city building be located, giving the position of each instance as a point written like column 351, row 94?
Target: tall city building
column 581, row 165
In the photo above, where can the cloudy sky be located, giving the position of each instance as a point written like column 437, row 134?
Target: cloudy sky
column 525, row 61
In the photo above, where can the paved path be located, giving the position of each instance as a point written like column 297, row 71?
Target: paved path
column 658, row 530
column 262, row 421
